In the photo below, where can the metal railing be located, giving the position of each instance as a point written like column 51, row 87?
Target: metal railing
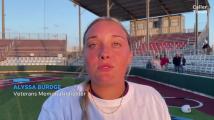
column 163, row 30
column 34, row 36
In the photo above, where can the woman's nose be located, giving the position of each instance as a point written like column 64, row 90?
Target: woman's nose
column 104, row 53
column 103, row 57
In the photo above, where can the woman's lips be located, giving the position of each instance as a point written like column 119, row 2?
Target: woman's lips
column 105, row 67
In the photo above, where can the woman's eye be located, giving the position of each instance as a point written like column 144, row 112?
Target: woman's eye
column 92, row 45
column 116, row 44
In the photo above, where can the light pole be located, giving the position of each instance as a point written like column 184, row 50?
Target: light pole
column 147, row 24
column 196, row 27
column 44, row 18
column 79, row 15
column 3, row 21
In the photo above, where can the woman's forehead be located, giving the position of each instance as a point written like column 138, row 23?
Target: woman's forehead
column 106, row 27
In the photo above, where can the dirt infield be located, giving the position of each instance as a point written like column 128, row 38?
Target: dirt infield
column 179, row 95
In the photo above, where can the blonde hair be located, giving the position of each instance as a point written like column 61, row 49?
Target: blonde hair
column 84, row 102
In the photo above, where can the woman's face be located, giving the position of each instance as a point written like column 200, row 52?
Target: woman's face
column 107, row 53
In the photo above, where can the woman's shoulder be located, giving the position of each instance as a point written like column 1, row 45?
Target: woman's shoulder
column 140, row 86
column 147, row 94
column 144, row 89
column 62, row 103
column 65, row 95
column 70, row 90
column 150, row 100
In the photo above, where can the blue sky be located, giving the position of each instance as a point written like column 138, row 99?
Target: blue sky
column 61, row 16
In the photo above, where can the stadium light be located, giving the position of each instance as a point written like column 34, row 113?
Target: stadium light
column 196, row 27
column 45, row 27
column 79, row 15
column 147, row 24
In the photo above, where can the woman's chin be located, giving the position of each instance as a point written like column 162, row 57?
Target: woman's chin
column 105, row 81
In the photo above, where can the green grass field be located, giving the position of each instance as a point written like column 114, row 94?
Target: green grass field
column 194, row 115
column 27, row 108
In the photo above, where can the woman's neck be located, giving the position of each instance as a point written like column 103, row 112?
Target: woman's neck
column 108, row 92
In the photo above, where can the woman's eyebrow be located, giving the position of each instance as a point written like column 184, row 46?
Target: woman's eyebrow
column 118, row 36
column 92, row 37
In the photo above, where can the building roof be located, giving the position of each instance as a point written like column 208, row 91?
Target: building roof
column 136, row 9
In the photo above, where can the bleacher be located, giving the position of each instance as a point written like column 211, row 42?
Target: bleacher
column 162, row 43
column 14, row 61
column 203, row 64
column 42, row 48
column 195, row 64
column 78, row 61
column 141, row 61
column 32, row 51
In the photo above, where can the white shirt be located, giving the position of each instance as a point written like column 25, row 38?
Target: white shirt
column 140, row 103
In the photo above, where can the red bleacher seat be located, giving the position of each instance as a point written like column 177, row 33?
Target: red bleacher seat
column 164, row 42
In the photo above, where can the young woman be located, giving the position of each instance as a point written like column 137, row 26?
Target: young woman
column 107, row 55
